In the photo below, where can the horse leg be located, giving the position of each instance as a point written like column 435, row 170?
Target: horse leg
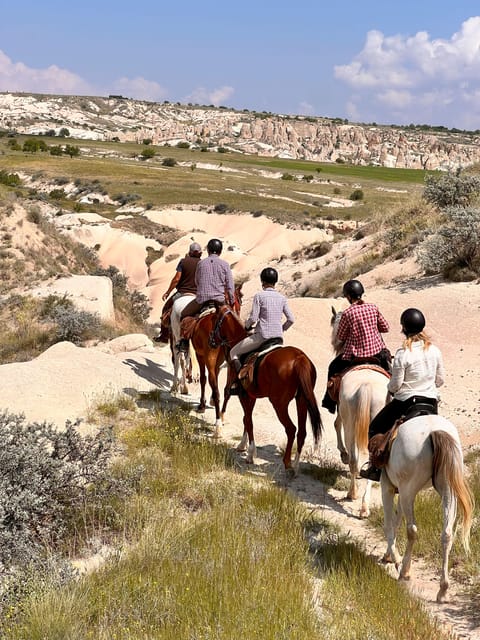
column 449, row 508
column 203, row 383
column 392, row 519
column 290, row 429
column 302, row 412
column 248, row 404
column 213, row 381
column 338, row 424
column 183, row 368
column 175, row 357
column 406, row 500
column 226, row 392
column 365, row 508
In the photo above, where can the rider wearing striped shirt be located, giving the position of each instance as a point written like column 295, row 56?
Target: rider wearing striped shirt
column 268, row 308
column 360, row 329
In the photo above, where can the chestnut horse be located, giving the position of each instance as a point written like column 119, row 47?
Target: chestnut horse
column 210, row 359
column 283, row 374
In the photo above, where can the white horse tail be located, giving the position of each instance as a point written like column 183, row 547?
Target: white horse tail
column 447, row 460
column 362, row 415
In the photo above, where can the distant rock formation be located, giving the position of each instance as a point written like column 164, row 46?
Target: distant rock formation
column 297, row 137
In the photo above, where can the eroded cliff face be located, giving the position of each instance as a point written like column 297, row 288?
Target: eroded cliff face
column 317, row 139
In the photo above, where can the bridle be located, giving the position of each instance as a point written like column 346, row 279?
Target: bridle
column 215, row 339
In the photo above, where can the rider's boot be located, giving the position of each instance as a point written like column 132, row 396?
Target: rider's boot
column 371, row 473
column 236, row 387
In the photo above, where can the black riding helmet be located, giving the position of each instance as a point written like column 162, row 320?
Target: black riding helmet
column 353, row 289
column 412, row 321
column 215, row 246
column 269, row 275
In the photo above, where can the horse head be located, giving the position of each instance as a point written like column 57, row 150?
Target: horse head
column 334, row 322
column 238, row 297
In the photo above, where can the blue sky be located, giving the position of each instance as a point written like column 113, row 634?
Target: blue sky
column 390, row 62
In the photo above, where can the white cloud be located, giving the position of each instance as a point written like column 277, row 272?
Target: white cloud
column 204, row 96
column 417, row 78
column 139, row 88
column 16, row 76
column 306, row 109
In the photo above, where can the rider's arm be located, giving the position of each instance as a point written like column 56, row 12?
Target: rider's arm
column 172, row 284
column 289, row 317
column 254, row 313
column 382, row 324
column 398, row 373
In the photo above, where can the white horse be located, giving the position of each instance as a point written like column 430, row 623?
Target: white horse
column 363, row 392
column 426, row 451
column 182, row 362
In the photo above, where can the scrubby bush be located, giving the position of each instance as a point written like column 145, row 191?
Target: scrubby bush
column 46, row 473
column 454, row 250
column 10, row 179
column 140, row 307
column 357, row 194
column 220, row 208
column 73, row 324
column 451, row 190
column 169, row 162
column 147, row 153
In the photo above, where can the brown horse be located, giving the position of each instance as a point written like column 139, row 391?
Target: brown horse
column 209, row 358
column 283, row 374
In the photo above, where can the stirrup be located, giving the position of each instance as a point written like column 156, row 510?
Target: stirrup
column 182, row 345
column 371, row 473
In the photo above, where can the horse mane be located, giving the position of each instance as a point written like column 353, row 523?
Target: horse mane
column 335, row 321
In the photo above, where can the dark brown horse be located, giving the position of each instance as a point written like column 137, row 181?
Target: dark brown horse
column 283, row 374
column 209, row 358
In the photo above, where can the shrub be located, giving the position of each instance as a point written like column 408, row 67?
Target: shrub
column 72, row 150
column 74, row 324
column 454, row 250
column 451, row 190
column 287, row 176
column 46, row 472
column 357, row 194
column 140, row 306
column 220, row 208
column 169, row 162
column 147, row 153
column 183, row 145
column 10, row 179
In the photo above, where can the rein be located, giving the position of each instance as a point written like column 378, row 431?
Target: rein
column 215, row 339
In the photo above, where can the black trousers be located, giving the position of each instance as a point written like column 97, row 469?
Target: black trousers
column 385, row 419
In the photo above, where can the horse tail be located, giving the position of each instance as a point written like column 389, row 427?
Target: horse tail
column 307, row 376
column 447, row 460
column 362, row 415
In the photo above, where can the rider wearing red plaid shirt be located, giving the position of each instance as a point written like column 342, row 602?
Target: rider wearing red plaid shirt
column 360, row 329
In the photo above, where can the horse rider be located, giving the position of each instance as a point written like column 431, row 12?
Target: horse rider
column 417, row 372
column 214, row 281
column 359, row 329
column 268, row 308
column 184, row 283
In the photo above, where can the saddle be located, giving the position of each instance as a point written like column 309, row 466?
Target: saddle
column 187, row 325
column 252, row 359
column 333, row 384
column 380, row 445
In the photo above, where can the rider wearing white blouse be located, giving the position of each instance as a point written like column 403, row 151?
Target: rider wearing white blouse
column 417, row 372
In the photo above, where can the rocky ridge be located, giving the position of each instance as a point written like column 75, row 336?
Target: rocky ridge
column 297, row 137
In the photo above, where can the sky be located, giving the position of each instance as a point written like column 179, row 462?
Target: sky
column 390, row 62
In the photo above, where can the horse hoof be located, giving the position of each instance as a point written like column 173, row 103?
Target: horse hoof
column 200, row 409
column 290, row 473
